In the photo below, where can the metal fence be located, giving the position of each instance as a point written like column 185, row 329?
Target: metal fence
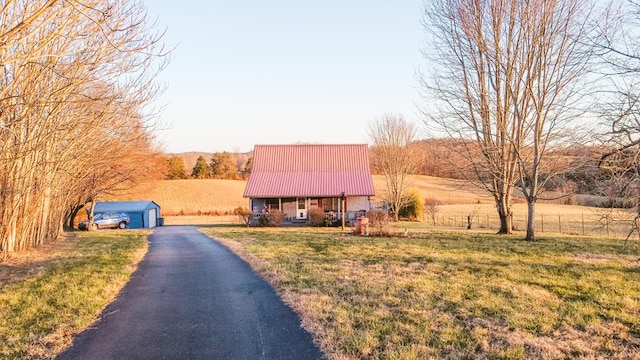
column 603, row 224
column 201, row 220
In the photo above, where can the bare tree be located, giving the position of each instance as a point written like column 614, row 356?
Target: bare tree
column 432, row 207
column 507, row 75
column 76, row 83
column 394, row 154
column 620, row 163
column 240, row 160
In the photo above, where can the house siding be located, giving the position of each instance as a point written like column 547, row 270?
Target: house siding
column 136, row 220
column 358, row 203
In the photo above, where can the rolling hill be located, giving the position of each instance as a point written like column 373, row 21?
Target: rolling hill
column 211, row 196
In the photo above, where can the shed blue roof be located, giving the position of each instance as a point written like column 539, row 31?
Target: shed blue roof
column 124, row 206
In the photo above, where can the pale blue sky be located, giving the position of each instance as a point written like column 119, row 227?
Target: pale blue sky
column 248, row 72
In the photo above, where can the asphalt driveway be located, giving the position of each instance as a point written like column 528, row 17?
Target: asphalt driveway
column 192, row 298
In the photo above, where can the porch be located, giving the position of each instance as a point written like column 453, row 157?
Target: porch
column 296, row 210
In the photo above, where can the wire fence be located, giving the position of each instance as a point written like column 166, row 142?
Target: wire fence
column 606, row 224
column 201, row 220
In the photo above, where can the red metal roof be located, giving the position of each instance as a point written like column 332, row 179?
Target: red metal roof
column 309, row 171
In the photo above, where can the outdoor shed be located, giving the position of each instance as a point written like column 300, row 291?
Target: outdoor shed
column 296, row 178
column 142, row 214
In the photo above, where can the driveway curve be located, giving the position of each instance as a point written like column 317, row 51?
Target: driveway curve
column 192, row 298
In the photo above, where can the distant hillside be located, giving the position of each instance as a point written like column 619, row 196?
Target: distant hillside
column 191, row 157
column 211, row 196
column 206, row 196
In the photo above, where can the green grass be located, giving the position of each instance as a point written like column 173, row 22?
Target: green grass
column 453, row 294
column 65, row 292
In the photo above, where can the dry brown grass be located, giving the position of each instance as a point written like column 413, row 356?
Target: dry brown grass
column 194, row 196
column 447, row 191
column 459, row 198
column 211, row 195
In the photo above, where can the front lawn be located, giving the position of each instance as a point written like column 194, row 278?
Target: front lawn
column 48, row 296
column 452, row 294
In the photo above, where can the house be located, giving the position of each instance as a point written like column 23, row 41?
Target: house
column 142, row 214
column 295, row 178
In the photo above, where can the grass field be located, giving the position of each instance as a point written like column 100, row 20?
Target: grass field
column 49, row 294
column 447, row 191
column 191, row 199
column 452, row 294
column 210, row 195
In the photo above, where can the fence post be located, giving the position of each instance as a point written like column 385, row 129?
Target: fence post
column 582, row 224
column 542, row 216
column 559, row 224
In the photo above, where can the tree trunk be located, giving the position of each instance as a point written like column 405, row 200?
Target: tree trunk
column 71, row 217
column 90, row 215
column 396, row 213
column 531, row 223
column 505, row 224
column 504, row 213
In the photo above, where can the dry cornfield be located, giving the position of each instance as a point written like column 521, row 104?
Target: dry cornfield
column 193, row 196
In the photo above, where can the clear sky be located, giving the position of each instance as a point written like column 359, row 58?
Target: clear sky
column 248, row 72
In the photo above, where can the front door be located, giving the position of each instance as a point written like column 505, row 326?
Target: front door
column 301, row 213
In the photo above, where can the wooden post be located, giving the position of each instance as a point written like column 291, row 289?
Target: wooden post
column 342, row 196
column 542, row 217
column 559, row 224
column 582, row 224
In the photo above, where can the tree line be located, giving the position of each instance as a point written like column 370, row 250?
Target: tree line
column 76, row 87
column 221, row 165
column 438, row 157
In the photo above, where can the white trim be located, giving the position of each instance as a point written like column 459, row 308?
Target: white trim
column 301, row 214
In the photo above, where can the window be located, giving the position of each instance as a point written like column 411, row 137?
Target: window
column 302, row 204
column 331, row 204
column 272, row 204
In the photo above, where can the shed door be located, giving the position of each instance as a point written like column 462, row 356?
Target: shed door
column 301, row 212
column 152, row 218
